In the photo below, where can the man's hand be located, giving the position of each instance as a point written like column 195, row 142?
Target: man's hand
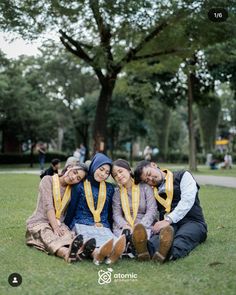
column 159, row 225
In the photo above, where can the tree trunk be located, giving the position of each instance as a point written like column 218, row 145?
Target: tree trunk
column 192, row 147
column 102, row 111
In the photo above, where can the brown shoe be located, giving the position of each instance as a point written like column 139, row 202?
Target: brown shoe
column 166, row 239
column 119, row 248
column 103, row 252
column 139, row 238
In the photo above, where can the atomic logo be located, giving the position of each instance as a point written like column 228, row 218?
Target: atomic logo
column 104, row 277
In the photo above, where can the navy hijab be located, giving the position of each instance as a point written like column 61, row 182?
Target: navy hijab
column 97, row 161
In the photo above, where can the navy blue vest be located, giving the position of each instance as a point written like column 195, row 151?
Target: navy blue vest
column 195, row 213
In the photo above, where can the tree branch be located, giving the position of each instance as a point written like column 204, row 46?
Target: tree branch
column 104, row 30
column 158, row 53
column 133, row 51
column 68, row 47
column 131, row 54
column 79, row 52
column 100, row 75
column 67, row 40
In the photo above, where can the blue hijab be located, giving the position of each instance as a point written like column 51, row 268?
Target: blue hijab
column 97, row 161
column 78, row 211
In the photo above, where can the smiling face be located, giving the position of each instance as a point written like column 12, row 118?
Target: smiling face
column 102, row 173
column 121, row 175
column 152, row 175
column 73, row 176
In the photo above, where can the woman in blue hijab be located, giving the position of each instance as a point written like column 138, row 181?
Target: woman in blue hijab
column 90, row 209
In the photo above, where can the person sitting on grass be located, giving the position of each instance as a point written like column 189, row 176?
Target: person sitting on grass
column 89, row 210
column 131, row 204
column 45, row 228
column 179, row 206
column 53, row 169
column 213, row 164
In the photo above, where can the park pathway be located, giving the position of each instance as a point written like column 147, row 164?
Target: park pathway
column 224, row 181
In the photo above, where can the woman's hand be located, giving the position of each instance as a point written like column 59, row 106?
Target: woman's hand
column 59, row 231
column 55, row 223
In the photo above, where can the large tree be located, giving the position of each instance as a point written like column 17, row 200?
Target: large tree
column 107, row 35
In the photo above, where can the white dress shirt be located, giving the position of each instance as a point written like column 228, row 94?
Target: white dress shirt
column 188, row 188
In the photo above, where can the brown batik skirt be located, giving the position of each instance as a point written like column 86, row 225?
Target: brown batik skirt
column 42, row 237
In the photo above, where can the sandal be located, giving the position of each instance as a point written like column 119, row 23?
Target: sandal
column 87, row 249
column 73, row 249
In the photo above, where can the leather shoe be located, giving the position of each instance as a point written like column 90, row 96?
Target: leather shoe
column 166, row 240
column 139, row 239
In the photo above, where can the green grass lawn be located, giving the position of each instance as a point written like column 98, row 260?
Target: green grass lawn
column 210, row 269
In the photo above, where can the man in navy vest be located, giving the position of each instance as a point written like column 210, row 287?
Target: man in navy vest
column 181, row 226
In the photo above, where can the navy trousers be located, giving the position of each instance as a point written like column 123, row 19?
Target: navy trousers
column 187, row 235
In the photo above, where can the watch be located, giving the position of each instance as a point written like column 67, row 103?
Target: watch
column 167, row 218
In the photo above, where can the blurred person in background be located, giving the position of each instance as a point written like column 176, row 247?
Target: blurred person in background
column 53, row 169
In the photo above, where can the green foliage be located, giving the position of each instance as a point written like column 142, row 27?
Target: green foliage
column 208, row 120
column 84, row 118
column 99, row 26
column 147, row 39
column 24, row 109
column 125, row 121
column 65, row 78
column 68, row 83
column 40, row 95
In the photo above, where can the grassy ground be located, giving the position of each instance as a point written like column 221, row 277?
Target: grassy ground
column 209, row 269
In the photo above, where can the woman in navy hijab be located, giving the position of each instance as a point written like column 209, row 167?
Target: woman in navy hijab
column 89, row 212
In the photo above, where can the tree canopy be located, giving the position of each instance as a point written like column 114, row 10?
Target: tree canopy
column 147, row 41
